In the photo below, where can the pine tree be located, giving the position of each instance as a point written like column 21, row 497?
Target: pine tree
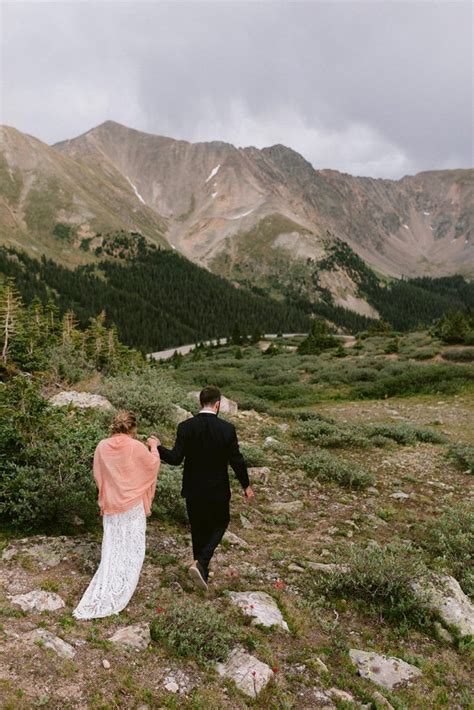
column 10, row 317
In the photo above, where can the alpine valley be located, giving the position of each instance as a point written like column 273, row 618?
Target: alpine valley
column 266, row 220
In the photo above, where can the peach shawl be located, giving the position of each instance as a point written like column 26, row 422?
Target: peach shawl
column 125, row 472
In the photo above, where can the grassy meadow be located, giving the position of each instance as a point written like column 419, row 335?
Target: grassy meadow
column 370, row 460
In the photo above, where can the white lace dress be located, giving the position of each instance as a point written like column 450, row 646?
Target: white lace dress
column 123, row 552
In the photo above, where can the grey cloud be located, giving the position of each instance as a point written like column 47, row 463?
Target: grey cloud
column 370, row 87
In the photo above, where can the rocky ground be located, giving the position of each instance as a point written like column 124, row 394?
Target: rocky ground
column 293, row 652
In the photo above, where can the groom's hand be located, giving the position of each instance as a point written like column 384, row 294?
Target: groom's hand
column 153, row 440
column 248, row 494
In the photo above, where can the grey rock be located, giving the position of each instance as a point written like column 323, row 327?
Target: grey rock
column 181, row 414
column 321, row 665
column 45, row 638
column 172, row 687
column 443, row 594
column 228, row 406
column 245, row 522
column 338, row 694
column 399, row 495
column 248, row 673
column 259, row 473
column 37, row 600
column 382, row 700
column 269, row 442
column 106, row 664
column 261, row 606
column 295, row 568
column 233, row 539
column 386, row 671
column 290, row 507
column 327, row 568
column 81, row 400
column 136, row 636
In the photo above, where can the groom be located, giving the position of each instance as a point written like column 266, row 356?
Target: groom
column 207, row 444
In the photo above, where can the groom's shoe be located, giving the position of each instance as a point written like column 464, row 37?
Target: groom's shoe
column 198, row 575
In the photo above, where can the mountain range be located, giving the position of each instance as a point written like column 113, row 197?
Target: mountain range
column 260, row 217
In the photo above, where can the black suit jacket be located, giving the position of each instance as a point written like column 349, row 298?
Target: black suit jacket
column 207, row 444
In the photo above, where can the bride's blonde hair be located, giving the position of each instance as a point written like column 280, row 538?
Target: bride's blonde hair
column 124, row 422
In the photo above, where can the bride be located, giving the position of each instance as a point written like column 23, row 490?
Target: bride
column 125, row 472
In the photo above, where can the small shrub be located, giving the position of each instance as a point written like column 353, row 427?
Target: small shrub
column 194, row 629
column 449, row 542
column 148, row 392
column 254, row 455
column 168, row 503
column 328, row 434
column 405, row 434
column 324, row 466
column 380, row 578
column 463, row 455
column 46, row 460
column 460, row 355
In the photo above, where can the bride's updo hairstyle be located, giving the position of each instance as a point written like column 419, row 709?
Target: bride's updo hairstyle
column 124, row 422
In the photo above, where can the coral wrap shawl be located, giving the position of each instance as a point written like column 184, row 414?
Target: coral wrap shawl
column 125, row 472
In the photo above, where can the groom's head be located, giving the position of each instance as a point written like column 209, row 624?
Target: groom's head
column 210, row 396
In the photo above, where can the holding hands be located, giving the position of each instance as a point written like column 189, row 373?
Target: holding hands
column 153, row 441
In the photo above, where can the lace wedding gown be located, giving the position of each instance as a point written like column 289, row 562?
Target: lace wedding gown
column 123, row 552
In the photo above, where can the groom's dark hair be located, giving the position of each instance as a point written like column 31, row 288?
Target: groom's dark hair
column 209, row 395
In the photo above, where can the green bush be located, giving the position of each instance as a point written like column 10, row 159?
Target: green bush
column 168, row 503
column 254, row 455
column 149, row 392
column 379, row 578
column 459, row 355
column 46, row 462
column 415, row 379
column 449, row 542
column 330, row 434
column 463, row 455
column 189, row 628
column 405, row 434
column 324, row 466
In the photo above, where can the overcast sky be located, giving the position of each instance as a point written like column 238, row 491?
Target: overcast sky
column 379, row 88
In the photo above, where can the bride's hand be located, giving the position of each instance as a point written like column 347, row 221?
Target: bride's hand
column 153, row 440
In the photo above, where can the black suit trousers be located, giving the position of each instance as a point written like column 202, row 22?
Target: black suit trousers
column 209, row 520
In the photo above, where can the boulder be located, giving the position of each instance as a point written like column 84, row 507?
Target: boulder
column 269, row 442
column 37, row 600
column 233, row 539
column 290, row 507
column 261, row 606
column 386, row 671
column 328, row 567
column 181, row 414
column 228, row 406
column 82, row 400
column 248, row 673
column 399, row 495
column 245, row 522
column 49, row 640
column 136, row 636
column 443, row 595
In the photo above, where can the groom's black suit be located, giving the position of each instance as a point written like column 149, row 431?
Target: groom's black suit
column 208, row 445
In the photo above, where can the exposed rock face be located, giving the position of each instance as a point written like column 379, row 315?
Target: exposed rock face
column 49, row 640
column 248, row 673
column 386, row 671
column 261, row 606
column 444, row 595
column 38, row 600
column 136, row 636
column 214, row 194
column 82, row 400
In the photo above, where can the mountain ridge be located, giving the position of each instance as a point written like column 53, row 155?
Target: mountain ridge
column 256, row 216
